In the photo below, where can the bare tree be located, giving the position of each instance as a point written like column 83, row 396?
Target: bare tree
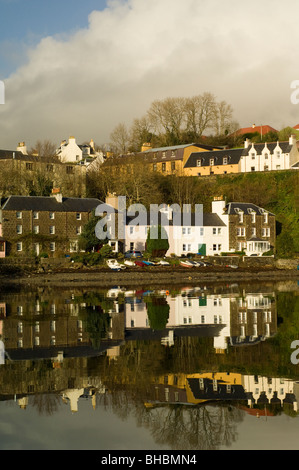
column 223, row 118
column 44, row 148
column 120, row 139
column 167, row 116
column 200, row 114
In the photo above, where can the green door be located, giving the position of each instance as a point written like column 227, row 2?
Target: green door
column 202, row 249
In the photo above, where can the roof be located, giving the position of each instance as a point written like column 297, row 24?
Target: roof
column 251, row 130
column 176, row 147
column 232, row 208
column 208, row 220
column 17, row 155
column 285, row 147
column 43, row 203
column 233, row 156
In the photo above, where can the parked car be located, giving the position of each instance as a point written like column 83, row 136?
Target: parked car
column 133, row 254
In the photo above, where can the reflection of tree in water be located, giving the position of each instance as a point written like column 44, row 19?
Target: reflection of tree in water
column 179, row 427
column 46, row 404
column 194, row 428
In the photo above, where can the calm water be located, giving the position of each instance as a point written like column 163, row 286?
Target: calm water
column 185, row 369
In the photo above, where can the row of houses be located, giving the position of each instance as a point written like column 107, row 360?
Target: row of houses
column 204, row 160
column 34, row 224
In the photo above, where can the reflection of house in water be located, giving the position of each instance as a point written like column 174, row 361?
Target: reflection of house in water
column 44, row 326
column 229, row 319
column 253, row 318
column 270, row 390
column 254, row 391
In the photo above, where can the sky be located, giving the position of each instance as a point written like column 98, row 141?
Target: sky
column 80, row 68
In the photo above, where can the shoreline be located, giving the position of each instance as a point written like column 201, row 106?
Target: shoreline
column 137, row 277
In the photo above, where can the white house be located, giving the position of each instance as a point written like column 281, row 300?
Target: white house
column 269, row 156
column 205, row 234
column 69, row 151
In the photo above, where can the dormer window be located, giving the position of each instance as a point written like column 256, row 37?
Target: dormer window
column 225, row 160
column 198, row 162
column 212, row 161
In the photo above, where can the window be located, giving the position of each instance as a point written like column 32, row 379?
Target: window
column 172, row 166
column 19, row 246
column 215, row 247
column 52, row 246
column 78, row 216
column 184, row 247
column 241, row 217
column 224, row 160
column 131, row 230
column 183, row 230
column 253, row 156
column 214, row 231
column 18, row 215
column 29, row 166
column 79, row 230
column 253, row 218
column 219, row 231
column 253, row 231
column 36, row 229
column 52, row 229
column 241, row 232
column 52, row 215
column 212, row 161
column 35, row 215
column 265, row 218
column 266, row 156
column 252, row 168
column 50, row 168
column 198, row 162
column 155, row 167
column 201, row 231
column 19, row 229
column 265, row 232
column 163, row 166
column 70, row 170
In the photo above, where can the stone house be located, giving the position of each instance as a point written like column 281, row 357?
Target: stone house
column 36, row 224
column 25, row 174
column 251, row 228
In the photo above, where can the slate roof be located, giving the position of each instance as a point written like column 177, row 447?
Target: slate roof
column 208, row 220
column 16, row 155
column 233, row 156
column 285, row 147
column 43, row 203
column 247, row 208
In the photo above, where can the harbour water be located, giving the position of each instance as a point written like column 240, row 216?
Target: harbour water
column 193, row 368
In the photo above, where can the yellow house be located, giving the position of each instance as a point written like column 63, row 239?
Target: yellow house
column 169, row 160
column 215, row 162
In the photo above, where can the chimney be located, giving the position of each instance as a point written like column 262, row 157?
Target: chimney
column 247, row 143
column 112, row 200
column 22, row 148
column 146, row 146
column 57, row 194
column 91, row 143
column 218, row 205
column 292, row 139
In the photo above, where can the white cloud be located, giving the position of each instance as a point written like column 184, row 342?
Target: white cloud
column 136, row 51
